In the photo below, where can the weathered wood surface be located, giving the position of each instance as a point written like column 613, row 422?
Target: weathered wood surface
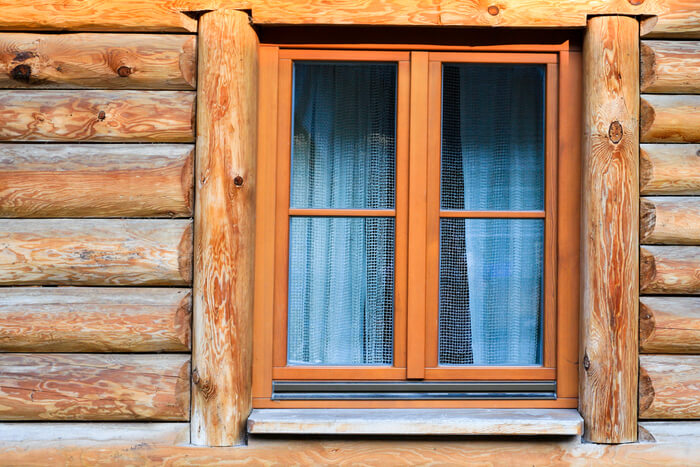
column 101, row 61
column 670, row 118
column 670, row 67
column 669, row 270
column 670, row 220
column 669, row 432
column 669, row 169
column 94, row 387
column 224, row 229
column 669, row 386
column 677, row 19
column 87, row 319
column 96, row 180
column 669, row 325
column 102, row 116
column 95, row 252
column 610, row 226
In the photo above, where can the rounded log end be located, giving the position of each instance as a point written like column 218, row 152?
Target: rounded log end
column 187, row 181
column 647, row 114
column 187, row 62
column 183, row 318
column 647, row 269
column 184, row 255
column 647, row 220
column 647, row 324
column 646, row 391
column 646, row 170
column 648, row 66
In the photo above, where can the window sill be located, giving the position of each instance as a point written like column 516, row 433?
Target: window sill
column 416, row 421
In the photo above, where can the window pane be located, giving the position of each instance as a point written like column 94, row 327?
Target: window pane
column 491, row 291
column 493, row 137
column 344, row 135
column 341, row 291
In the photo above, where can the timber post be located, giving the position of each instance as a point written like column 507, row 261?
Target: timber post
column 610, row 231
column 224, row 228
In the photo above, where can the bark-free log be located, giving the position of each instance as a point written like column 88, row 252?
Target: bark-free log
column 679, row 19
column 669, row 386
column 87, row 319
column 671, row 67
column 96, row 180
column 95, row 252
column 103, row 116
column 94, row 387
column 669, row 119
column 669, row 325
column 224, row 228
column 671, row 220
column 669, row 270
column 609, row 319
column 102, row 61
column 669, row 169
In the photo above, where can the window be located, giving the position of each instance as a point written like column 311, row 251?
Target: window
column 410, row 228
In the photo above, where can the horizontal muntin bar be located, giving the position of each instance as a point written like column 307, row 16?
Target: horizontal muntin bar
column 493, row 214
column 411, row 395
column 342, row 212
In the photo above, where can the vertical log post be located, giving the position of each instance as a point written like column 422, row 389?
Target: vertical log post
column 224, row 229
column 610, row 231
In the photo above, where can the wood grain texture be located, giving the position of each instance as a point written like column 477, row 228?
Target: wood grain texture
column 94, row 387
column 87, row 319
column 96, row 180
column 669, row 169
column 102, row 116
column 670, row 67
column 610, row 226
column 669, row 432
column 669, row 325
column 669, row 270
column 678, row 19
column 224, row 228
column 95, row 252
column 101, row 61
column 670, row 118
column 669, row 386
column 669, row 220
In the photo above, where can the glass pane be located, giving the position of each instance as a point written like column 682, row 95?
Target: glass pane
column 341, row 291
column 344, row 135
column 493, row 137
column 491, row 291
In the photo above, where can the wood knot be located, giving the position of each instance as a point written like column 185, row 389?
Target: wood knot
column 586, row 362
column 493, row 10
column 101, row 115
column 615, row 132
column 635, row 2
column 124, row 71
column 21, row 73
column 238, row 181
column 205, row 387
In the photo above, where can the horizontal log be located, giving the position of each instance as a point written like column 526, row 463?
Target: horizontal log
column 677, row 19
column 96, row 180
column 94, row 387
column 669, row 169
column 87, row 319
column 670, row 220
column 670, row 67
column 669, row 386
column 669, row 432
column 669, row 325
column 101, row 116
column 669, row 270
column 95, row 252
column 670, row 118
column 100, row 61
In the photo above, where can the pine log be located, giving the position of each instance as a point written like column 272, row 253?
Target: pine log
column 678, row 19
column 86, row 319
column 669, row 386
column 669, row 169
column 669, row 432
column 101, row 116
column 670, row 220
column 96, row 180
column 95, row 252
column 609, row 312
column 669, row 270
column 101, row 61
column 669, row 325
column 670, row 67
column 669, row 119
column 94, row 387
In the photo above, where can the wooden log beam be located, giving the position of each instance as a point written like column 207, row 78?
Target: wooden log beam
column 87, row 319
column 670, row 220
column 671, row 67
column 669, row 119
column 669, row 169
column 101, row 116
column 669, row 270
column 96, row 180
column 669, row 325
column 670, row 432
column 669, row 386
column 101, row 61
column 95, row 252
column 94, row 387
column 224, row 228
column 678, row 19
column 610, row 226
